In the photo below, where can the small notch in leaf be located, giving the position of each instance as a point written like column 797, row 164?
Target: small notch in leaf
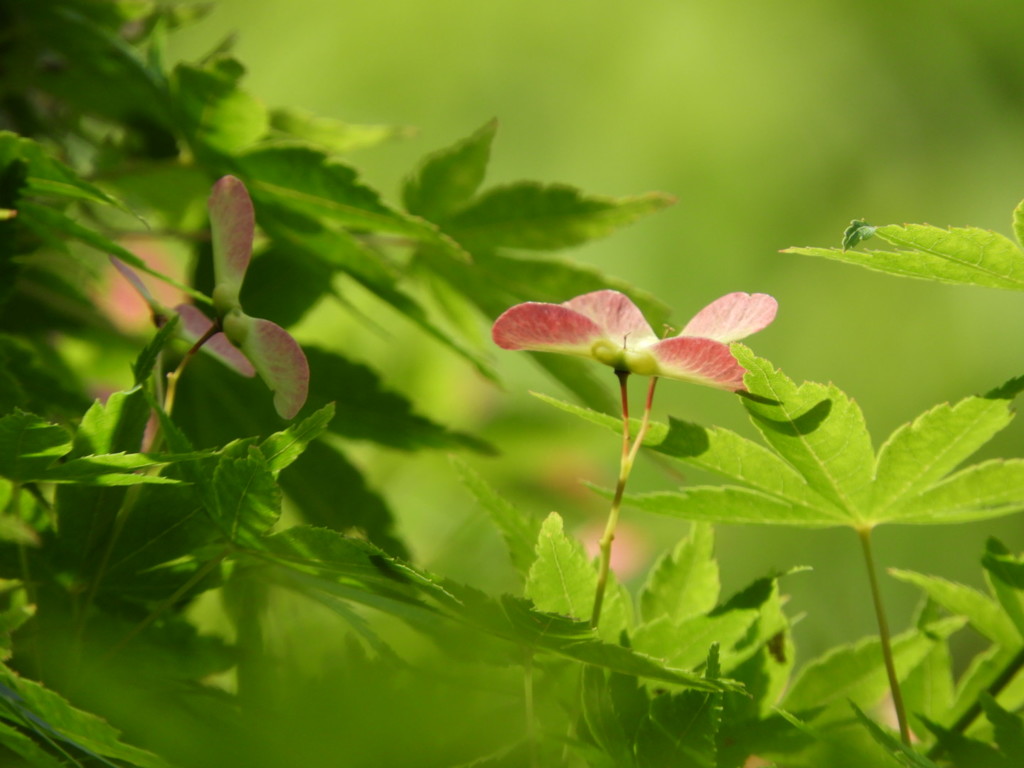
column 857, row 232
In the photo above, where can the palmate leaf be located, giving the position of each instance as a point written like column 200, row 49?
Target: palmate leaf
column 720, row 451
column 563, row 580
column 980, row 610
column 30, row 445
column 306, row 180
column 816, row 428
column 213, row 111
column 920, row 453
column 963, row 256
column 332, row 135
column 545, row 217
column 48, row 176
column 684, row 582
column 823, row 471
column 243, row 498
column 448, row 178
column 982, row 491
column 856, row 673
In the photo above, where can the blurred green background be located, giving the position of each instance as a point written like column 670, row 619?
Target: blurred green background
column 773, row 124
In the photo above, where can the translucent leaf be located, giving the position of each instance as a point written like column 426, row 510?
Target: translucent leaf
column 246, row 501
column 563, row 580
column 856, row 672
column 983, row 613
column 684, row 644
column 213, row 111
column 735, row 506
column 682, row 729
column 448, row 178
column 282, row 448
column 963, row 256
column 920, row 453
column 731, row 626
column 1018, row 222
column 332, row 135
column 517, row 621
column 684, row 582
column 538, row 217
column 816, row 428
column 980, row 492
column 929, row 690
column 519, row 531
column 110, row 469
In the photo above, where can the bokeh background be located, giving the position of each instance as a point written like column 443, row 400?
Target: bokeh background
column 773, row 124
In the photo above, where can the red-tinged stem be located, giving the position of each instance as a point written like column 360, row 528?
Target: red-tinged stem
column 629, row 454
column 885, row 636
column 173, row 376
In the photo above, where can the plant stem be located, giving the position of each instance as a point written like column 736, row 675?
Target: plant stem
column 173, row 376
column 629, row 454
column 531, row 727
column 884, row 636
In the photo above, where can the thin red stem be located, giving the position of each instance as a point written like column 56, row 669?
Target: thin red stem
column 629, row 454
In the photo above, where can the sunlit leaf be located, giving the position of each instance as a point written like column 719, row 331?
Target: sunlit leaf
column 563, row 580
column 983, row 613
column 856, row 672
column 922, row 452
column 282, row 448
column 684, row 582
column 963, row 256
column 718, row 450
column 816, row 428
column 979, row 492
column 245, row 499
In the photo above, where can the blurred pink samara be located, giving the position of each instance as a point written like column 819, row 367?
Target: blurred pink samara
column 606, row 326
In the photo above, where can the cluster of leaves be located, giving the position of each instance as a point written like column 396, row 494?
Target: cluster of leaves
column 149, row 560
